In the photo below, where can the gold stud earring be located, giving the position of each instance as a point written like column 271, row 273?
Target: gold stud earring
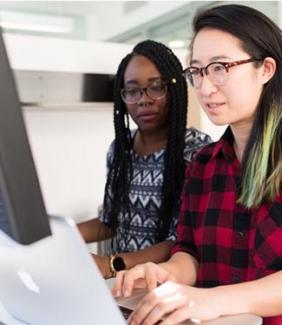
column 173, row 80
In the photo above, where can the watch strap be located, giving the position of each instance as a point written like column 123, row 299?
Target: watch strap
column 112, row 268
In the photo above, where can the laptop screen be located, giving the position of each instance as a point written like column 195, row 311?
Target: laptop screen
column 22, row 212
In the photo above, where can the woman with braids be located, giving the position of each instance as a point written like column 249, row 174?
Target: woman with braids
column 227, row 259
column 146, row 165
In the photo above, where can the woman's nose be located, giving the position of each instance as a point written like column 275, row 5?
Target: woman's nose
column 207, row 87
column 144, row 97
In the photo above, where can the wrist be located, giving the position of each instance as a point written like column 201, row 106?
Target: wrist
column 229, row 293
column 103, row 265
column 107, row 269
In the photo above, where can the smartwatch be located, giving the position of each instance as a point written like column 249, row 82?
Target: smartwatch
column 116, row 264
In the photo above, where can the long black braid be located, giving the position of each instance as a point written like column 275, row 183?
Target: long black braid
column 119, row 176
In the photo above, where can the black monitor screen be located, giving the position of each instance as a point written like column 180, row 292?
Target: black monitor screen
column 22, row 211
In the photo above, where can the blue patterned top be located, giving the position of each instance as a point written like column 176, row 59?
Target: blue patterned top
column 145, row 196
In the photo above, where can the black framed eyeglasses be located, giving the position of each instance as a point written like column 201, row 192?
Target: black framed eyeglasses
column 155, row 90
column 217, row 72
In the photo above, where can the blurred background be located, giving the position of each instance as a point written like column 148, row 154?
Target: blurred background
column 113, row 21
column 64, row 55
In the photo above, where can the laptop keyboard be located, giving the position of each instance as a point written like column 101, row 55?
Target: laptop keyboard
column 125, row 312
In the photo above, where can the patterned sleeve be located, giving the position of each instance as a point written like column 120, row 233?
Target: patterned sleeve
column 185, row 240
column 268, row 243
column 194, row 140
column 110, row 154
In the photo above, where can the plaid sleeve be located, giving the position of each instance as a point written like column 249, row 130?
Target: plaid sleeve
column 185, row 239
column 268, row 239
column 102, row 215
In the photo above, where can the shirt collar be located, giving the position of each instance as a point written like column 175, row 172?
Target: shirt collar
column 225, row 146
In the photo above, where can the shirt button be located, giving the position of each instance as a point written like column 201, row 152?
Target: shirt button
column 235, row 278
column 240, row 234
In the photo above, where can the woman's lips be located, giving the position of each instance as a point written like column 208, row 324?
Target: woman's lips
column 147, row 116
column 213, row 107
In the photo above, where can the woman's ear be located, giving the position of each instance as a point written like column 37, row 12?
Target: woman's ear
column 268, row 69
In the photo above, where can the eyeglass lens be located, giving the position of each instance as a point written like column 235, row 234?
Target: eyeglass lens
column 216, row 72
column 155, row 90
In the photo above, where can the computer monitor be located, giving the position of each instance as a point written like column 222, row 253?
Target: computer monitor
column 25, row 215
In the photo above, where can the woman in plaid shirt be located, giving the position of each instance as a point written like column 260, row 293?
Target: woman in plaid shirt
column 228, row 255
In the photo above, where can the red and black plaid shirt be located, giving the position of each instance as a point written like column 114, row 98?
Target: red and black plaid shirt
column 231, row 243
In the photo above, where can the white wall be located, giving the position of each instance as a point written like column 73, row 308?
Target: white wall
column 69, row 149
column 280, row 13
column 52, row 54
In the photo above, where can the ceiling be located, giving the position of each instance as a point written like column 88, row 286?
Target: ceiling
column 57, row 7
column 121, row 21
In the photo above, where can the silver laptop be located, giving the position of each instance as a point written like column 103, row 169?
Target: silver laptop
column 54, row 281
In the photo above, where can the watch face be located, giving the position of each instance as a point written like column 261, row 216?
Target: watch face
column 118, row 263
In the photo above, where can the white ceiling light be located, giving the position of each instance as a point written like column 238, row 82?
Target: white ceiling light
column 176, row 44
column 35, row 22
